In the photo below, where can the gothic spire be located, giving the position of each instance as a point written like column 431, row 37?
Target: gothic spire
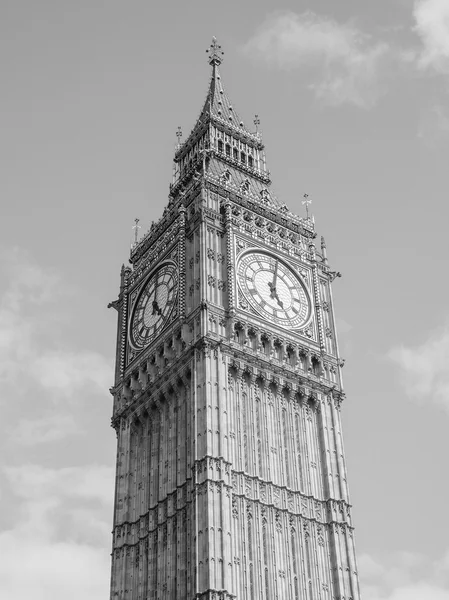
column 218, row 104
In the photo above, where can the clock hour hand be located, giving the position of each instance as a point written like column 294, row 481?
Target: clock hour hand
column 281, row 304
column 156, row 309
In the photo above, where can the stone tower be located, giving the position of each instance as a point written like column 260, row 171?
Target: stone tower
column 231, row 478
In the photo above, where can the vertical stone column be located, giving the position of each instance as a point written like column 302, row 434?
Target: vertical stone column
column 122, row 323
column 230, row 259
column 182, row 262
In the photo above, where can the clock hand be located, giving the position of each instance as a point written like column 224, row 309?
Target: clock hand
column 281, row 304
column 275, row 274
column 156, row 286
column 156, row 309
column 272, row 286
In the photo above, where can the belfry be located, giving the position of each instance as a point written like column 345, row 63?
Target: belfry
column 231, row 479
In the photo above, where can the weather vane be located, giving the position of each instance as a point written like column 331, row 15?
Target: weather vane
column 136, row 227
column 257, row 122
column 215, row 53
column 307, row 202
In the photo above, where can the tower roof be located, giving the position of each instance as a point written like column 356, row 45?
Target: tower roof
column 217, row 103
column 218, row 107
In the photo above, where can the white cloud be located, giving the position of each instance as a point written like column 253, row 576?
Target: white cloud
column 403, row 576
column 343, row 326
column 59, row 545
column 35, row 482
column 31, row 347
column 347, row 60
column 49, row 428
column 66, row 372
column 27, row 281
column 435, row 125
column 44, row 571
column 424, row 369
column 432, row 26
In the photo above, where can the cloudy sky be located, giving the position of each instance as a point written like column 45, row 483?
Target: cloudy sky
column 354, row 108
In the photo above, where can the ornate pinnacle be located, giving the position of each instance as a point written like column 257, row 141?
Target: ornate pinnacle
column 179, row 135
column 136, row 227
column 306, row 201
column 215, row 53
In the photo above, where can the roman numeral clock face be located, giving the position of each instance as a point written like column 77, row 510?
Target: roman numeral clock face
column 274, row 290
column 154, row 304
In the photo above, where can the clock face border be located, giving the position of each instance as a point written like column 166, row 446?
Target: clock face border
column 256, row 306
column 143, row 289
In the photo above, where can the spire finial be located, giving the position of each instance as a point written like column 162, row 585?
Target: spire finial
column 179, row 135
column 215, row 53
column 306, row 201
column 136, row 232
column 256, row 122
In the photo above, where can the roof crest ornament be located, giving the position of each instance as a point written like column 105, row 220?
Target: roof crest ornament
column 215, row 53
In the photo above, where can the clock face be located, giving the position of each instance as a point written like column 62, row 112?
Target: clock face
column 273, row 289
column 154, row 305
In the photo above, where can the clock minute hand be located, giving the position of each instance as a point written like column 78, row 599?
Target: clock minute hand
column 272, row 285
column 156, row 309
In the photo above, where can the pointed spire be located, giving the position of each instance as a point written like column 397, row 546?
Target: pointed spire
column 218, row 104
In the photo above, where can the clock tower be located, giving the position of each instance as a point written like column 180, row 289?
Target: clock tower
column 231, row 477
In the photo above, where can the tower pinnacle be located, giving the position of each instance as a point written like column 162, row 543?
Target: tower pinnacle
column 215, row 53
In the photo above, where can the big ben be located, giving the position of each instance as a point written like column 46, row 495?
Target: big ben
column 231, row 478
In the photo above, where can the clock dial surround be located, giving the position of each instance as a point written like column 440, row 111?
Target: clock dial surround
column 154, row 305
column 273, row 289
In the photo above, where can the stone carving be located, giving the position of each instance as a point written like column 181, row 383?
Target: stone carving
column 235, row 511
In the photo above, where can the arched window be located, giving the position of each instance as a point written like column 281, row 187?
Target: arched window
column 228, row 150
column 235, row 154
column 243, row 157
column 220, row 146
column 315, row 366
column 250, row 162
